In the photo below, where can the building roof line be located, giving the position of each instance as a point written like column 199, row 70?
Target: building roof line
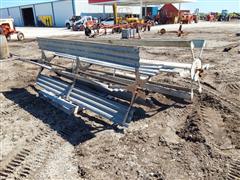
column 31, row 4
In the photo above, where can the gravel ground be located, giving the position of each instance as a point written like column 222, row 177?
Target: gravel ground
column 173, row 140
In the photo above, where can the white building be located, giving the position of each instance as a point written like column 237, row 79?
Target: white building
column 56, row 12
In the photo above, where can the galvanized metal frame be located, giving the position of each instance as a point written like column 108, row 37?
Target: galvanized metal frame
column 111, row 54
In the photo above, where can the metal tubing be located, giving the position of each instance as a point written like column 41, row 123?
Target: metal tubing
column 166, row 64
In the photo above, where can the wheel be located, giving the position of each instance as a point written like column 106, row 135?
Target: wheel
column 20, row 36
column 162, row 31
column 8, row 38
column 68, row 26
column 119, row 30
column 149, row 27
column 88, row 31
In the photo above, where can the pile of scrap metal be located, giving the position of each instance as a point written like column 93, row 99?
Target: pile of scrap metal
column 108, row 77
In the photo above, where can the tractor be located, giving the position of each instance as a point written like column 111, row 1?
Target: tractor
column 8, row 29
column 224, row 16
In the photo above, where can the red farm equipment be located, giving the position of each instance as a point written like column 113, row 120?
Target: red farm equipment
column 186, row 17
column 8, row 29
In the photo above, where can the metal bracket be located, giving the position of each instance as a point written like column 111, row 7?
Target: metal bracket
column 135, row 90
column 75, row 71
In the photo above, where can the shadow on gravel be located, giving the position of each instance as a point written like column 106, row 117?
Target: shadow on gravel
column 74, row 130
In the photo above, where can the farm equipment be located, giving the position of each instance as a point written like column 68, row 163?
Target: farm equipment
column 8, row 29
column 100, row 29
column 186, row 17
column 234, row 15
column 85, row 21
column 93, row 29
column 109, row 78
column 212, row 17
column 224, row 16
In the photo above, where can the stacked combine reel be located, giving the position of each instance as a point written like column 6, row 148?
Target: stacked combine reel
column 107, row 77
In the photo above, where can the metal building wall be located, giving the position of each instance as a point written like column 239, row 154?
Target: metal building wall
column 4, row 13
column 44, row 9
column 63, row 10
column 15, row 13
column 59, row 10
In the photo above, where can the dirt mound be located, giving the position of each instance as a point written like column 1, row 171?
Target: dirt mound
column 191, row 131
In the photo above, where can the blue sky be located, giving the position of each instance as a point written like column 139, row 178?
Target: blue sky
column 203, row 5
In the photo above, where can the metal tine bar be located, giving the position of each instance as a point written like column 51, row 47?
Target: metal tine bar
column 65, row 106
column 166, row 64
column 43, row 81
column 52, row 80
column 145, row 42
column 87, row 102
column 106, row 102
column 56, row 92
column 143, row 71
column 113, row 105
column 122, row 81
column 150, row 86
column 115, row 117
column 92, row 103
column 95, row 109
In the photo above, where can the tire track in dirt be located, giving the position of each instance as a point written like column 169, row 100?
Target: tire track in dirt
column 231, row 103
column 215, row 128
column 16, row 165
column 25, row 161
column 233, row 87
column 234, row 171
column 30, row 154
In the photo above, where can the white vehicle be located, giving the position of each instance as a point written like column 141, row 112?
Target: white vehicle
column 69, row 22
column 83, row 20
column 108, row 21
column 81, row 24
